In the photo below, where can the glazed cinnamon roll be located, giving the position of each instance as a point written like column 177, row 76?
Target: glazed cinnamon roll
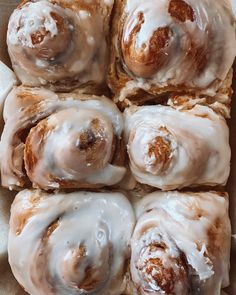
column 171, row 45
column 75, row 243
column 171, row 149
column 60, row 43
column 181, row 244
column 61, row 141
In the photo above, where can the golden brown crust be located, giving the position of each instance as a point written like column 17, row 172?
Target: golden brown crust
column 116, row 77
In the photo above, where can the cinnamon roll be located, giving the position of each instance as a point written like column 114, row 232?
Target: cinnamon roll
column 171, row 45
column 61, row 140
column 181, row 244
column 60, row 43
column 75, row 243
column 171, row 149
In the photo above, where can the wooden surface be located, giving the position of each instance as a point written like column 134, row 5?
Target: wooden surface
column 8, row 286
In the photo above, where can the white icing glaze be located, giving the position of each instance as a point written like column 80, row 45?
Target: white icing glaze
column 48, row 260
column 73, row 46
column 60, row 122
column 212, row 31
column 197, row 141
column 40, row 16
column 183, row 222
column 233, row 2
column 7, row 81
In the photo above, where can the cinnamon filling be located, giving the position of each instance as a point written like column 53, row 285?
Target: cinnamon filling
column 47, row 46
column 161, row 148
column 37, row 135
column 166, row 278
column 181, row 11
column 93, row 142
column 40, row 267
column 147, row 60
column 89, row 283
column 23, row 218
column 163, row 277
column 215, row 237
column 31, row 159
column 38, row 36
column 198, row 56
column 27, row 97
column 51, row 228
column 87, row 140
column 59, row 21
column 91, row 279
column 78, row 5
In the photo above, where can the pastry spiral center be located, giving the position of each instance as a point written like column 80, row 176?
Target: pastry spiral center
column 83, row 262
column 49, row 46
column 160, row 265
column 151, row 149
column 82, row 268
column 42, row 30
column 160, row 148
column 70, row 142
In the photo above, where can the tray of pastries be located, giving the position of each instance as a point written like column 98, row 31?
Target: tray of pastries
column 117, row 122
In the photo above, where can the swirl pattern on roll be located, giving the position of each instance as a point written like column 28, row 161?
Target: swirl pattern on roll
column 62, row 44
column 171, row 149
column 181, row 244
column 75, row 243
column 61, row 141
column 171, row 45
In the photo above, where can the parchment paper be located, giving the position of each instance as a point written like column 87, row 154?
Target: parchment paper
column 8, row 285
